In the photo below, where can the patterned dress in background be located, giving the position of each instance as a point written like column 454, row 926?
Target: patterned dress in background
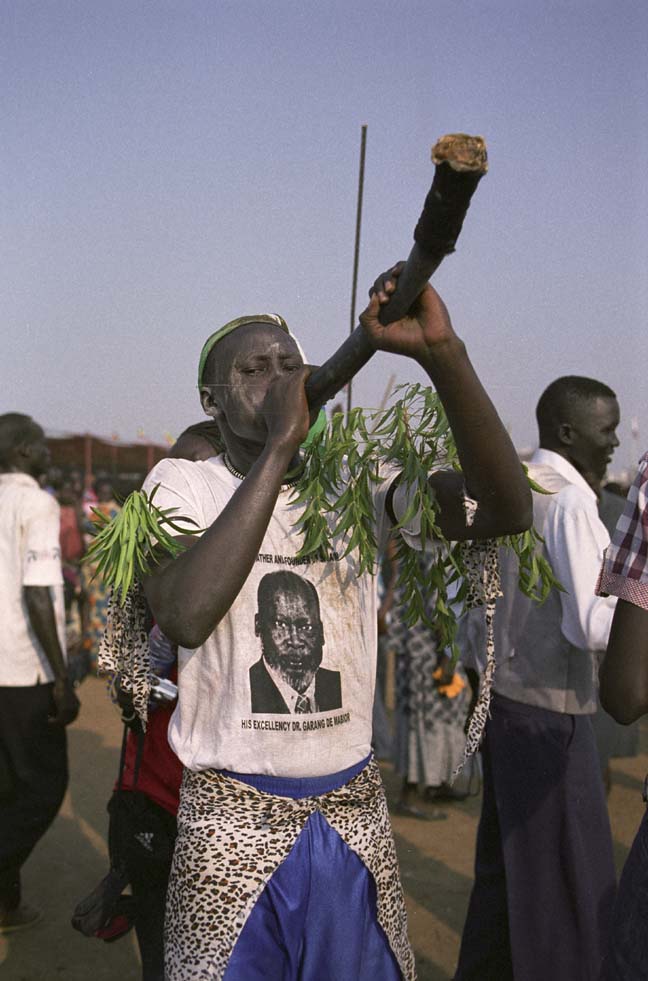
column 429, row 726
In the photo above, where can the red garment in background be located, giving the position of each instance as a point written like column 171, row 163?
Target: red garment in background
column 160, row 769
column 70, row 535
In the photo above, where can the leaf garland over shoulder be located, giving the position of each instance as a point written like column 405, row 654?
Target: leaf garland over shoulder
column 412, row 436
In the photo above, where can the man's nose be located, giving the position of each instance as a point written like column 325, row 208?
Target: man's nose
column 274, row 372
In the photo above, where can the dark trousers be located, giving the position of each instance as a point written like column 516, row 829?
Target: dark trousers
column 150, row 888
column 142, row 836
column 33, row 765
column 544, row 873
column 627, row 957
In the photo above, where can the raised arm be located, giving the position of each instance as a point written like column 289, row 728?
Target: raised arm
column 191, row 594
column 492, row 472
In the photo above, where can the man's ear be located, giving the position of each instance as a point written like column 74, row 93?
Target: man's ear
column 24, row 451
column 256, row 625
column 210, row 404
column 566, row 433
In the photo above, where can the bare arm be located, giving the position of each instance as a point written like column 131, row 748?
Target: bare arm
column 623, row 675
column 492, row 472
column 40, row 610
column 190, row 595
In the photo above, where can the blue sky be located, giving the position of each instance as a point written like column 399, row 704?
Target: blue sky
column 169, row 165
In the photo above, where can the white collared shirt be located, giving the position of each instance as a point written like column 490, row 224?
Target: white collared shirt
column 288, row 693
column 30, row 555
column 575, row 540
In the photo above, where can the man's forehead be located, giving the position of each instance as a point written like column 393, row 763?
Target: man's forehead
column 600, row 408
column 258, row 339
column 297, row 601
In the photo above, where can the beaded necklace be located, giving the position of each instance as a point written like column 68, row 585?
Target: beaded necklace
column 241, row 476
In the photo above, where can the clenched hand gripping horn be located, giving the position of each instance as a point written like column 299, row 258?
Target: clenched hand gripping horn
column 460, row 163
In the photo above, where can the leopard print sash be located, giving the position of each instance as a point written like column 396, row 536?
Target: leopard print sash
column 481, row 559
column 231, row 839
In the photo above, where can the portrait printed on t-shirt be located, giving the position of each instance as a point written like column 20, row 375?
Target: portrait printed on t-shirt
column 288, row 676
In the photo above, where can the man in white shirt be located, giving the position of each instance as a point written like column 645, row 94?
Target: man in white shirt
column 544, row 873
column 37, row 699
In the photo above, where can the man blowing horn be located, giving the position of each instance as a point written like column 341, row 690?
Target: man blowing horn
column 285, row 863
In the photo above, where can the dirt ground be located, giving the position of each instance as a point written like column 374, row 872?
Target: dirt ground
column 436, row 863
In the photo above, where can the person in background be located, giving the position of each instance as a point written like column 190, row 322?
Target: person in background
column 72, row 549
column 544, row 870
column 143, row 812
column 37, row 700
column 200, row 441
column 624, row 694
column 432, row 700
column 71, row 538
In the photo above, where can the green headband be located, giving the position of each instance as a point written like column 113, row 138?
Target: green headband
column 218, row 335
column 258, row 318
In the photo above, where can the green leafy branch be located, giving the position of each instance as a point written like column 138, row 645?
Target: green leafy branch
column 535, row 576
column 128, row 546
column 336, row 489
column 341, row 468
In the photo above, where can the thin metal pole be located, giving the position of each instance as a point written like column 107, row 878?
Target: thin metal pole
column 356, row 255
column 388, row 391
column 87, row 460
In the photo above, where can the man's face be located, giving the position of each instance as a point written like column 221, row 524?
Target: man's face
column 67, row 495
column 292, row 637
column 593, row 425
column 249, row 360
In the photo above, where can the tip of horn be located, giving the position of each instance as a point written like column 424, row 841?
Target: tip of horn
column 462, row 152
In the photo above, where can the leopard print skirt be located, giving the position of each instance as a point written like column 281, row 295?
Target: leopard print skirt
column 231, row 839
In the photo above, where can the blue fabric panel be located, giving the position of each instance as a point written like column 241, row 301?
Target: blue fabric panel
column 316, row 918
column 296, row 787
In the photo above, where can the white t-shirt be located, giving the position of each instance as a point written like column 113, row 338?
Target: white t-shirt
column 238, row 711
column 30, row 555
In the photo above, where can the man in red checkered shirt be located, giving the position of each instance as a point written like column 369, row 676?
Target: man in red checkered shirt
column 624, row 694
column 625, row 568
